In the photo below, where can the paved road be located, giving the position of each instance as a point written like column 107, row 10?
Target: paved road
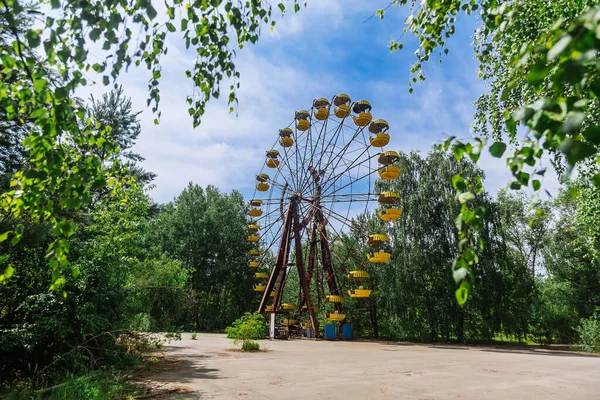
column 299, row 369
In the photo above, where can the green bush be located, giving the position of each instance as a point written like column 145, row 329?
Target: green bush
column 194, row 334
column 141, row 322
column 249, row 326
column 250, row 345
column 589, row 333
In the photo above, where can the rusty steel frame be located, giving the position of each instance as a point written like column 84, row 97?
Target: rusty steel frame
column 292, row 227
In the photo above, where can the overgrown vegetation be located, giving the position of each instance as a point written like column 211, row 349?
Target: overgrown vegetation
column 589, row 332
column 247, row 329
column 89, row 263
column 540, row 60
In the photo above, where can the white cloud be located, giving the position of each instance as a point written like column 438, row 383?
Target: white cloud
column 276, row 80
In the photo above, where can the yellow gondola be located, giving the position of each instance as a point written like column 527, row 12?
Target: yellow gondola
column 253, row 238
column 272, row 294
column 261, row 275
column 363, row 110
column 332, row 298
column 253, row 228
column 255, row 212
column 388, row 157
column 259, row 287
column 379, row 129
column 315, row 308
column 256, row 203
column 253, row 264
column 302, row 120
column 359, row 293
column 342, row 103
column 321, row 106
column 379, row 257
column 377, row 238
column 379, row 140
column 286, row 137
column 272, row 161
column 388, row 197
column 288, row 307
column 390, row 214
column 389, row 173
column 269, row 308
column 379, row 125
column 360, row 274
column 289, row 322
column 262, row 185
column 286, row 142
column 335, row 317
column 254, row 252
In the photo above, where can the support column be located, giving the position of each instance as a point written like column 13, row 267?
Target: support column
column 302, row 273
column 280, row 263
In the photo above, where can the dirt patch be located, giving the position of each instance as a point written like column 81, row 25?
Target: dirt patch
column 160, row 364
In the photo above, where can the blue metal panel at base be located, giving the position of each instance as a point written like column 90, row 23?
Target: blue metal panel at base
column 329, row 332
column 347, row 332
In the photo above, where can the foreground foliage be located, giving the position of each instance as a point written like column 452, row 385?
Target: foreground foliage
column 42, row 67
column 540, row 60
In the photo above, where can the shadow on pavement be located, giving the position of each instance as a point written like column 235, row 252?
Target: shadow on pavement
column 180, row 368
column 448, row 347
column 540, row 352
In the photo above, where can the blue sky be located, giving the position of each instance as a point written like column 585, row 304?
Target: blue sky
column 323, row 50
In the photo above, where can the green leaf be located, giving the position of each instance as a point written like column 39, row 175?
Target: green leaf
column 33, row 38
column 574, row 122
column 536, row 184
column 4, row 236
column 55, row 3
column 8, row 273
column 596, row 180
column 559, row 47
column 460, row 274
column 458, row 182
column 98, row 68
column 296, row 7
column 171, row 27
column 465, row 197
column 462, row 294
column 151, row 11
column 95, row 34
column 281, row 7
column 498, row 149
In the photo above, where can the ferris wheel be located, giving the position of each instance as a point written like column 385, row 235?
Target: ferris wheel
column 319, row 173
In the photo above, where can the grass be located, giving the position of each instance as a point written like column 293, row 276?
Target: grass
column 105, row 385
column 504, row 339
column 250, row 345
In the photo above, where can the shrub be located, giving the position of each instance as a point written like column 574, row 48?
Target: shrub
column 589, row 333
column 250, row 345
column 194, row 334
column 247, row 329
column 141, row 322
column 249, row 326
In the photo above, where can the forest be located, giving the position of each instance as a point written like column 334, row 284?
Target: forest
column 91, row 263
